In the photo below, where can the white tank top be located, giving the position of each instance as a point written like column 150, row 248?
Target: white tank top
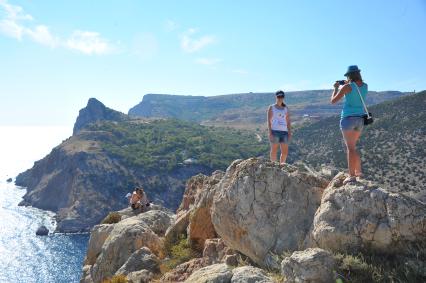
column 279, row 119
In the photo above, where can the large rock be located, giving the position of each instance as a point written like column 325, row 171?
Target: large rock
column 128, row 236
column 250, row 274
column 362, row 217
column 181, row 272
column 98, row 236
column 215, row 250
column 193, row 188
column 200, row 225
column 42, row 231
column 216, row 273
column 311, row 265
column 140, row 259
column 193, row 215
column 178, row 228
column 141, row 276
column 261, row 208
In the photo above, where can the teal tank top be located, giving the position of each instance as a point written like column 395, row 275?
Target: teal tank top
column 353, row 104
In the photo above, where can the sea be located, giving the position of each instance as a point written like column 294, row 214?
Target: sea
column 25, row 257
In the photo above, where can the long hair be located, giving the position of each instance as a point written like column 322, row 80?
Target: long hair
column 355, row 76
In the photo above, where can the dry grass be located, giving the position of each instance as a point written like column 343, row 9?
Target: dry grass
column 112, row 217
column 116, row 279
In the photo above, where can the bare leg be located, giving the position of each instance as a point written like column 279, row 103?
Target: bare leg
column 273, row 153
column 284, row 152
column 354, row 160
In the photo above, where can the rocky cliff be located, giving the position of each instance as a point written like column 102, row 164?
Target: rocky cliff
column 88, row 175
column 82, row 183
column 262, row 222
column 96, row 111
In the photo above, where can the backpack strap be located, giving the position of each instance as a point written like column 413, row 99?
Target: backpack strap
column 362, row 100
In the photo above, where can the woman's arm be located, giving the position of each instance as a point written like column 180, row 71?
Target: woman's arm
column 338, row 94
column 288, row 124
column 269, row 117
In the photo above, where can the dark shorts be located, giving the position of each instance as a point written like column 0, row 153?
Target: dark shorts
column 352, row 123
column 279, row 137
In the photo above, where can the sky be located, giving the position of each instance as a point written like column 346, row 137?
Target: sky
column 55, row 55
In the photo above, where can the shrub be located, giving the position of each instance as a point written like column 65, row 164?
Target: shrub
column 178, row 252
column 112, row 217
column 379, row 268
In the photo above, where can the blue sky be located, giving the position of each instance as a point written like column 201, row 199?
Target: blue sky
column 55, row 55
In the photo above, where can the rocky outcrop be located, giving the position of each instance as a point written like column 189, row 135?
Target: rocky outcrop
column 250, row 274
column 142, row 259
column 363, row 217
column 200, row 226
column 96, row 111
column 42, row 231
column 222, row 273
column 125, row 244
column 216, row 273
column 78, row 182
column 262, row 208
column 141, row 276
column 311, row 265
column 82, row 183
column 256, row 211
column 193, row 215
column 181, row 272
column 216, row 251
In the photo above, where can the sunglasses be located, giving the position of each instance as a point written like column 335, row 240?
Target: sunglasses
column 280, row 96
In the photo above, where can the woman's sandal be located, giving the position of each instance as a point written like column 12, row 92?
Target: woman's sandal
column 349, row 179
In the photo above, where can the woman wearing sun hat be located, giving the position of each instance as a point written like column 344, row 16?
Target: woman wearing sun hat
column 351, row 121
column 279, row 127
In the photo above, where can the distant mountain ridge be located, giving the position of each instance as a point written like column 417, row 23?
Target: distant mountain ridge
column 244, row 108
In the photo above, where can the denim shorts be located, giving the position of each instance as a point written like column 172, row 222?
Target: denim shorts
column 352, row 123
column 279, row 137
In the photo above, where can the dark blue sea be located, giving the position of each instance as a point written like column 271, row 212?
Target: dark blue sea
column 25, row 257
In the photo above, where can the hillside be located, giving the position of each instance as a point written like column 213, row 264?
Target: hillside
column 89, row 174
column 245, row 110
column 393, row 148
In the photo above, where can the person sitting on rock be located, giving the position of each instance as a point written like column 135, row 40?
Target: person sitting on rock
column 139, row 200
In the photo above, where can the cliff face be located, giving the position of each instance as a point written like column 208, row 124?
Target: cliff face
column 96, row 111
column 81, row 183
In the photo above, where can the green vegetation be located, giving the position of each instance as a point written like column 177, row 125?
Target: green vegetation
column 393, row 148
column 112, row 217
column 177, row 253
column 375, row 268
column 166, row 144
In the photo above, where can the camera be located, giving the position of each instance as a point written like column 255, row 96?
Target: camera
column 342, row 82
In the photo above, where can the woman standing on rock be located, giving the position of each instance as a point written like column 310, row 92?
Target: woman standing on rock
column 279, row 127
column 351, row 121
